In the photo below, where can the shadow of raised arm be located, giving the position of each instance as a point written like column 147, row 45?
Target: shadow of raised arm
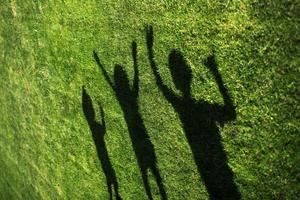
column 103, row 70
column 167, row 92
column 227, row 111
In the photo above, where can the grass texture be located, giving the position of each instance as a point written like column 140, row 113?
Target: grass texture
column 46, row 56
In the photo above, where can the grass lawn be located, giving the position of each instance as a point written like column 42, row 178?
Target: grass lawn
column 48, row 131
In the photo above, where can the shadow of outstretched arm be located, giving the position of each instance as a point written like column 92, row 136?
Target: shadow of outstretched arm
column 227, row 111
column 96, row 57
column 167, row 92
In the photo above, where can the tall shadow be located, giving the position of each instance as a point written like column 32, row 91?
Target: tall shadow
column 98, row 131
column 128, row 100
column 199, row 119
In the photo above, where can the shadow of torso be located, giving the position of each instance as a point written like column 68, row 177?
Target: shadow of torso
column 140, row 139
column 98, row 137
column 200, row 123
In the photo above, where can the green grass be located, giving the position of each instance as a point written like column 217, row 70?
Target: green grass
column 46, row 147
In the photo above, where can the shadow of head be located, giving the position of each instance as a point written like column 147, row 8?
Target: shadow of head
column 181, row 72
column 134, row 49
column 121, row 79
column 87, row 105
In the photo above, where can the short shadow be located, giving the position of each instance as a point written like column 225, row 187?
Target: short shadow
column 128, row 100
column 98, row 131
column 199, row 119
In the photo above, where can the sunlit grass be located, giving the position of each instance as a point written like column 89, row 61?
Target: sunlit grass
column 46, row 147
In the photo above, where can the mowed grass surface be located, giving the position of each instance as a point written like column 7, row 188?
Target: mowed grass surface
column 46, row 147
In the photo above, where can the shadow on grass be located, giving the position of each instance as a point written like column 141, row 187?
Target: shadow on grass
column 128, row 100
column 199, row 119
column 98, row 131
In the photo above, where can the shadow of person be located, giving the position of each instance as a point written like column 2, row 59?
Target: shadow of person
column 199, row 119
column 98, row 131
column 128, row 100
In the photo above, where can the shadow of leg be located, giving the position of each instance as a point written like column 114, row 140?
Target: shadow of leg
column 116, row 188
column 146, row 183
column 159, row 182
column 109, row 191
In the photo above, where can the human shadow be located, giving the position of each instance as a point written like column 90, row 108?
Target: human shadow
column 128, row 100
column 199, row 119
column 98, row 131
